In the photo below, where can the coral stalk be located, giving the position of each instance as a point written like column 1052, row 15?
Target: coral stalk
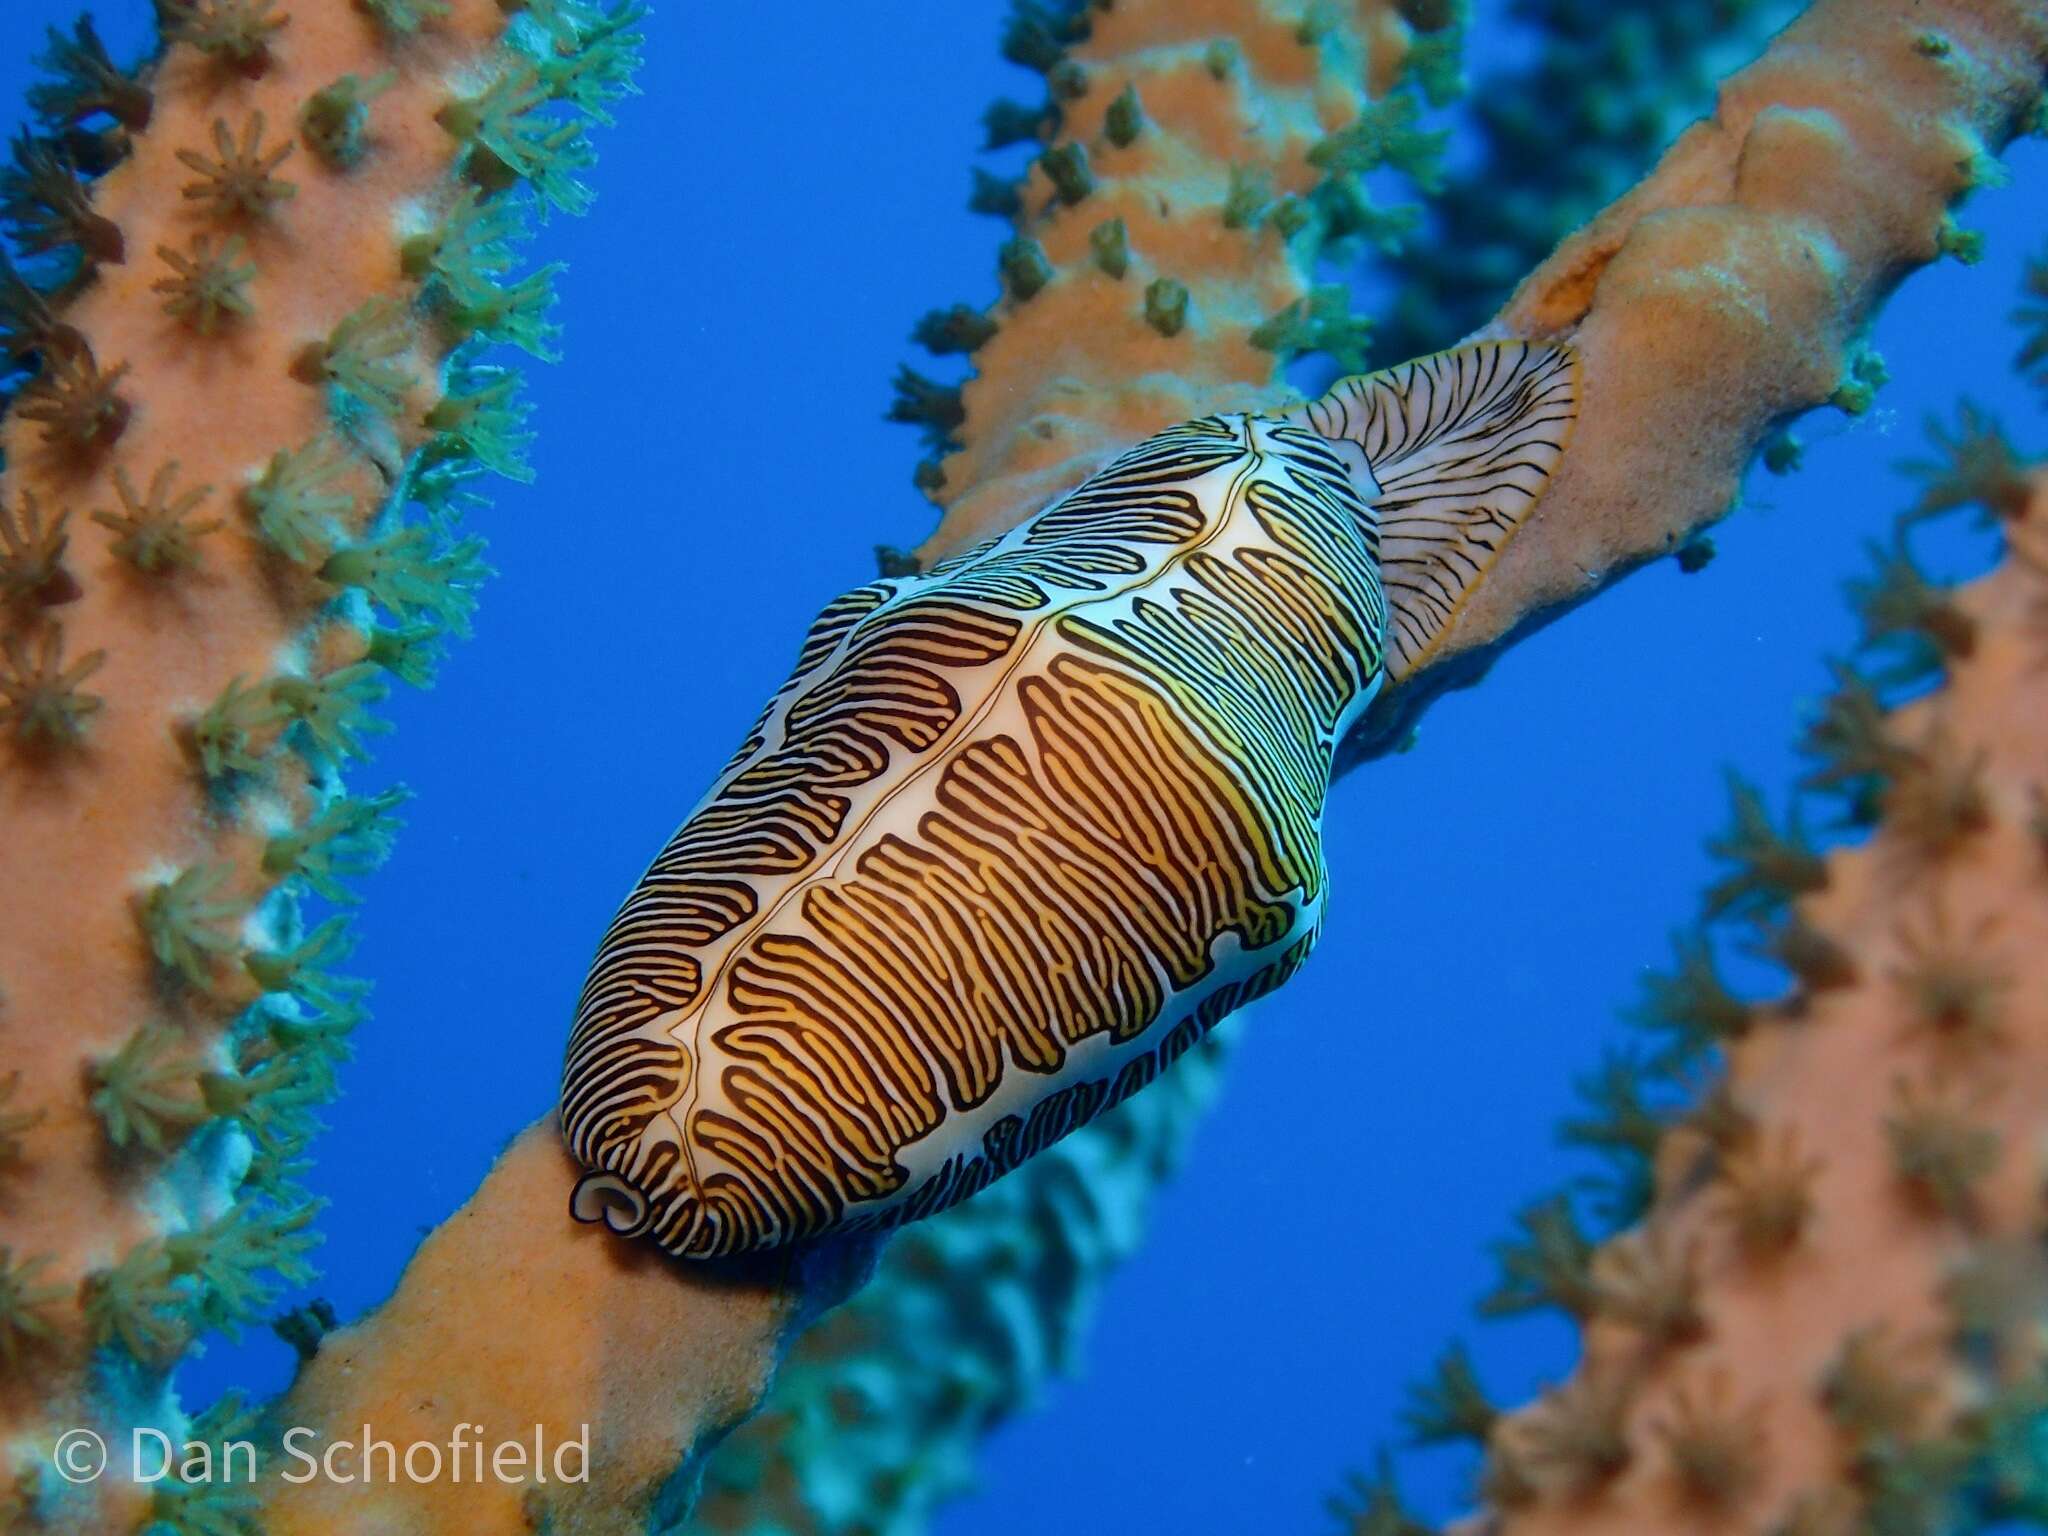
column 1859, row 1193
column 180, row 692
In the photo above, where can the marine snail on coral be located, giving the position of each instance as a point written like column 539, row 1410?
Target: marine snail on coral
column 1020, row 829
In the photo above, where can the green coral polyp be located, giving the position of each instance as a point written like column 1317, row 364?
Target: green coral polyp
column 303, row 967
column 334, row 118
column 1964, row 245
column 2032, row 315
column 1816, row 959
column 1249, row 197
column 1975, row 464
column 595, row 55
column 1898, row 604
column 1692, row 1003
column 199, row 1508
column 29, row 324
column 25, row 1298
column 414, row 576
column 236, row 33
column 270, row 1100
column 1578, row 1433
column 325, row 1030
column 1036, row 36
column 1124, row 120
column 469, row 247
column 155, row 531
column 240, row 183
column 1871, row 1393
column 226, row 735
column 1654, row 1288
column 958, row 329
column 511, row 139
column 1770, row 867
column 47, row 206
column 1451, row 1405
column 363, row 357
column 1852, row 742
column 139, row 1306
column 1625, row 1128
column 1166, row 305
column 146, row 1094
column 1955, row 988
column 1938, row 800
column 1109, row 244
column 32, row 547
column 42, row 702
column 189, row 925
column 1350, row 218
column 409, row 652
column 1067, row 80
column 208, row 285
column 1386, row 134
column 1025, row 268
column 1548, row 1265
column 926, row 403
column 483, row 418
column 1938, row 1152
column 77, row 403
column 1715, row 1450
column 86, row 81
column 296, row 502
column 1008, row 122
column 1374, row 1506
column 334, row 711
column 1857, row 393
column 514, row 313
column 229, row 1260
column 1767, row 1193
column 1066, row 167
column 1322, row 321
column 166, row 1289
column 993, row 195
column 1782, row 452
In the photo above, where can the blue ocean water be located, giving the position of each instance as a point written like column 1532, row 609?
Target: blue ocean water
column 776, row 211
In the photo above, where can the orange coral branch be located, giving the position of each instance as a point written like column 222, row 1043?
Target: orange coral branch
column 1726, row 292
column 509, row 1314
column 239, row 399
column 88, row 826
column 1873, row 1350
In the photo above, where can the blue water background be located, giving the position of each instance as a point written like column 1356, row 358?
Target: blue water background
column 774, row 214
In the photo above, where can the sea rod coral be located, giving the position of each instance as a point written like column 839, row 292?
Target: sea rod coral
column 1782, row 195
column 1822, row 1311
column 247, row 345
